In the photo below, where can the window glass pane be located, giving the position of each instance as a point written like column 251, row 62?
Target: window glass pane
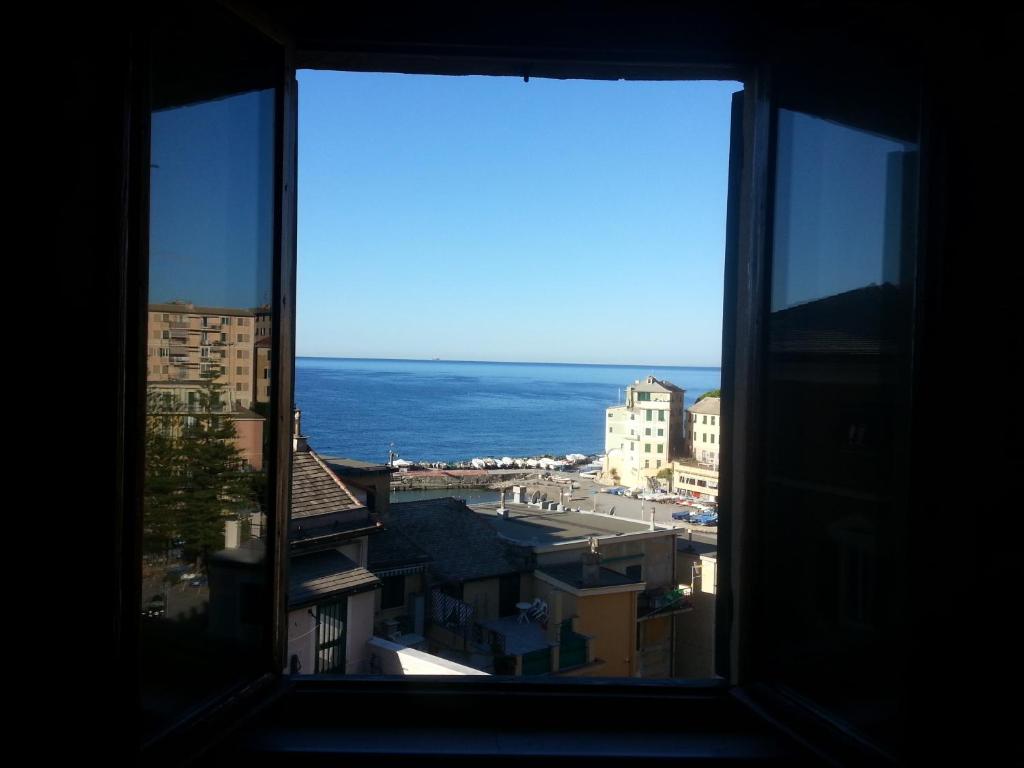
column 837, row 412
column 204, row 576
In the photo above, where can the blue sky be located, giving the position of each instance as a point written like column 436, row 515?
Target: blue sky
column 482, row 218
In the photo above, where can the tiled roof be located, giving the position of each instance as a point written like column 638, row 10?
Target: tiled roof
column 314, row 577
column 315, row 489
column 462, row 545
column 709, row 405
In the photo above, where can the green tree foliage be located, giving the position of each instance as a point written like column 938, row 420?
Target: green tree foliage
column 196, row 478
column 709, row 393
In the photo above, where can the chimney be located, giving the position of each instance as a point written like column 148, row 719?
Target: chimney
column 592, row 565
column 299, row 442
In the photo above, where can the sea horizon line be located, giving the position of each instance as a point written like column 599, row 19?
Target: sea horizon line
column 506, row 362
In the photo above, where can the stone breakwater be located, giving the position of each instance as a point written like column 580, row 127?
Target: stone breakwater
column 431, row 479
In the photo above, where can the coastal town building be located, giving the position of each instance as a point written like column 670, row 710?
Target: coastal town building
column 189, row 347
column 696, row 474
column 528, row 592
column 372, row 480
column 704, row 437
column 611, row 581
column 331, row 594
column 645, row 434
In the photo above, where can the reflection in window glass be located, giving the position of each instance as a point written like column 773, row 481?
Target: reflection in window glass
column 838, row 210
column 205, row 499
column 837, row 410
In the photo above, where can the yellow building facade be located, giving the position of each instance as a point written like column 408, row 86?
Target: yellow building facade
column 644, row 435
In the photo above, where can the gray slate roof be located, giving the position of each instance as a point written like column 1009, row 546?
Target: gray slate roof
column 315, row 577
column 315, row 489
column 462, row 545
column 709, row 405
column 390, row 548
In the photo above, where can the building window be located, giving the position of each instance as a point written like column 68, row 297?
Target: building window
column 705, row 420
column 712, row 437
column 647, row 431
column 661, row 433
column 647, row 447
column 658, row 463
column 661, row 415
column 631, row 446
column 703, row 437
column 661, row 448
column 643, row 396
column 609, row 428
column 392, row 593
column 635, row 572
column 647, row 463
column 330, row 637
column 712, row 421
column 649, row 414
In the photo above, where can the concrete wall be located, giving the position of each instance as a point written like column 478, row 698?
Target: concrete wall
column 359, row 631
column 655, row 650
column 392, row 659
column 355, row 551
column 695, row 631
column 653, row 553
column 302, row 640
column 302, row 635
column 413, row 584
column 611, row 621
column 249, row 441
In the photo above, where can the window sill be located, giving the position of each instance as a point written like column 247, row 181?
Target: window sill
column 506, row 718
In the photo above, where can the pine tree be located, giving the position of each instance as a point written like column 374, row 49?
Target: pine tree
column 196, row 478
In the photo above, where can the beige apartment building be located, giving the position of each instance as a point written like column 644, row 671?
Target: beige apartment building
column 697, row 473
column 187, row 343
column 704, row 432
column 643, row 436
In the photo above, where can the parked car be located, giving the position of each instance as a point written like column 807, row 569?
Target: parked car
column 681, row 516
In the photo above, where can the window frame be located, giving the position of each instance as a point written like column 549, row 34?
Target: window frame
column 743, row 291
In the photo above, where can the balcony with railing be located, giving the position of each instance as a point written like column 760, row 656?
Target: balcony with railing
column 663, row 601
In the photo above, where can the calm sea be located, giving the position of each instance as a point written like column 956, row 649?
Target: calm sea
column 452, row 411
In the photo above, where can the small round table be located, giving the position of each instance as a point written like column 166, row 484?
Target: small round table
column 523, row 608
